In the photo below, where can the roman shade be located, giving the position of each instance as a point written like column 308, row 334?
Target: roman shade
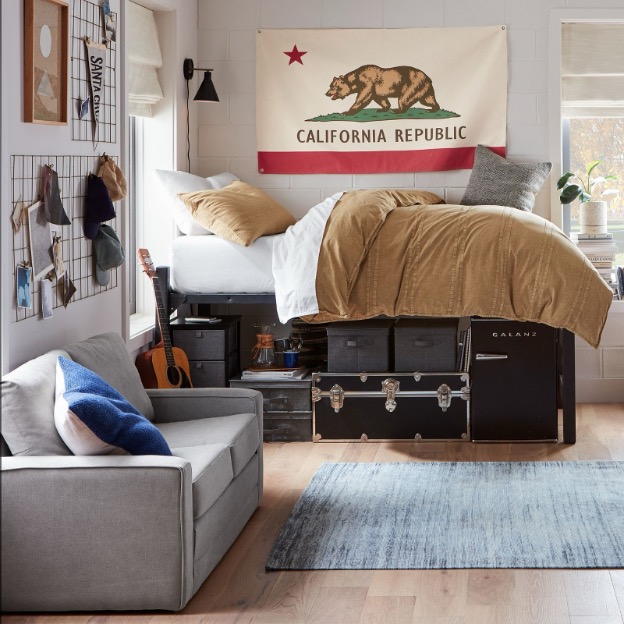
column 144, row 58
column 592, row 69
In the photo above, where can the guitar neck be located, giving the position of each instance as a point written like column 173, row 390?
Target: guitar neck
column 163, row 322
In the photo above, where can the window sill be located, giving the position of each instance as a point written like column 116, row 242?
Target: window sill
column 141, row 331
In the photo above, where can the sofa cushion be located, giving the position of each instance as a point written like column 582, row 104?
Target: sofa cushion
column 107, row 356
column 28, row 408
column 239, row 432
column 105, row 412
column 212, row 472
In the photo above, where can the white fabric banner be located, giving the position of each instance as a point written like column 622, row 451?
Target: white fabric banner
column 364, row 101
column 96, row 62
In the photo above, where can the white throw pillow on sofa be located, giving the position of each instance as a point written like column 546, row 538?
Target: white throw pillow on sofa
column 174, row 182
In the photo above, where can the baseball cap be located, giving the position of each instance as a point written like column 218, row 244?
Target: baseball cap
column 98, row 206
column 107, row 254
column 113, row 178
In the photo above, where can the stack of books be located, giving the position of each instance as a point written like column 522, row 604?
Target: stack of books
column 275, row 373
column 600, row 250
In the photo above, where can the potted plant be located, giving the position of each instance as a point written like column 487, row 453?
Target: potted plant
column 593, row 212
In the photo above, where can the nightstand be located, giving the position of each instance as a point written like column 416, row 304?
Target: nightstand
column 211, row 349
column 287, row 407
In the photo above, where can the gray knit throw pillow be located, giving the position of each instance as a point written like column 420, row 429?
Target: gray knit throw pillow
column 498, row 182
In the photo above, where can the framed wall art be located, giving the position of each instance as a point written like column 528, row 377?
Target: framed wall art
column 46, row 42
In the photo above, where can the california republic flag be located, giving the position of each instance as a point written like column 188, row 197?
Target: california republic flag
column 379, row 101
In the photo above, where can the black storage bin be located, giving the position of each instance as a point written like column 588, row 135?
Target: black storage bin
column 425, row 344
column 211, row 349
column 357, row 346
column 213, row 373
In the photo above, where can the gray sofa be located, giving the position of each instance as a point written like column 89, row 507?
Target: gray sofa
column 122, row 532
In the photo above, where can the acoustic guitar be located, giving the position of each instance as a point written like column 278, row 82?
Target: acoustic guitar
column 163, row 366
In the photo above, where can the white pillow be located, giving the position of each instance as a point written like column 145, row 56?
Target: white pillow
column 174, row 182
column 77, row 436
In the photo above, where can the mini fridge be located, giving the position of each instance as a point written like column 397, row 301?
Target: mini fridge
column 514, row 381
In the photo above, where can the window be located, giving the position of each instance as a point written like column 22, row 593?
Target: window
column 598, row 138
column 592, row 112
column 151, row 145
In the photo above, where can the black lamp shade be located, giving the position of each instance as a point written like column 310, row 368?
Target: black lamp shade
column 207, row 91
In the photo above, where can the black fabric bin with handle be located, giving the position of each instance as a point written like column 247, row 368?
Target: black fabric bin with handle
column 425, row 344
column 358, row 346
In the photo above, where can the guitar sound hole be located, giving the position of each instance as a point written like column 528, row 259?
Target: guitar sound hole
column 173, row 375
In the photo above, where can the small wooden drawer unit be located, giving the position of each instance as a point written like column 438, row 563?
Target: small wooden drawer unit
column 287, row 407
column 211, row 349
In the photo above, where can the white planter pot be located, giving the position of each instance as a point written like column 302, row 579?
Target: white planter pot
column 593, row 217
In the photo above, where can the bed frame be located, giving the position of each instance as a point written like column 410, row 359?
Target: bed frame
column 566, row 366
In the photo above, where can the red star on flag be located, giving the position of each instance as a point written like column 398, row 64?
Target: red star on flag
column 295, row 56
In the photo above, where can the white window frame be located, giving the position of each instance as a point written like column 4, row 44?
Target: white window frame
column 154, row 225
column 557, row 18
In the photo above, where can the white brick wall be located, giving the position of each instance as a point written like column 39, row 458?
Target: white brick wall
column 600, row 372
column 227, row 129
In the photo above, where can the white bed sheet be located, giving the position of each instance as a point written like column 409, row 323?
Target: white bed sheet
column 209, row 264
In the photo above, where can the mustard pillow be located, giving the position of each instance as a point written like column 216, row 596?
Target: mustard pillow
column 238, row 212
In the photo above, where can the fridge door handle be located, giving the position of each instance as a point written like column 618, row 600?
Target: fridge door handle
column 491, row 356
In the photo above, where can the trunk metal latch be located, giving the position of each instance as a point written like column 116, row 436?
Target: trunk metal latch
column 336, row 397
column 444, row 397
column 390, row 387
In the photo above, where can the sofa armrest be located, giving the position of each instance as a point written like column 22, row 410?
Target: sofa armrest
column 96, row 533
column 172, row 405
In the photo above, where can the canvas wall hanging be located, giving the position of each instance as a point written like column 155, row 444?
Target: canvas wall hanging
column 379, row 101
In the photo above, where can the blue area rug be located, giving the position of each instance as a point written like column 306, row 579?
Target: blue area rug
column 358, row 516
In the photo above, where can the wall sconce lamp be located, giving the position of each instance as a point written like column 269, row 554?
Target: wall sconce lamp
column 206, row 91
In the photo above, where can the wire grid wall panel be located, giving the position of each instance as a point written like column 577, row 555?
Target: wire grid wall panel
column 87, row 21
column 77, row 251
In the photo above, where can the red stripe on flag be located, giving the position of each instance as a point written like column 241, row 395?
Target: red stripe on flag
column 442, row 159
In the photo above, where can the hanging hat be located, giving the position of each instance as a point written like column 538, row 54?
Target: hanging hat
column 107, row 254
column 98, row 206
column 113, row 177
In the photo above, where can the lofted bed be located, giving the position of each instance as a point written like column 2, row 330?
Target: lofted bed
column 395, row 253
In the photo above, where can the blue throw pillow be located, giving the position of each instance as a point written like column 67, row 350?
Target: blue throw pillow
column 106, row 413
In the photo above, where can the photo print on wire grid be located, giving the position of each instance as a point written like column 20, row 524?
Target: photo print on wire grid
column 23, row 285
column 72, row 252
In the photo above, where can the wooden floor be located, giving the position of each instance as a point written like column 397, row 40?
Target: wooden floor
column 239, row 590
